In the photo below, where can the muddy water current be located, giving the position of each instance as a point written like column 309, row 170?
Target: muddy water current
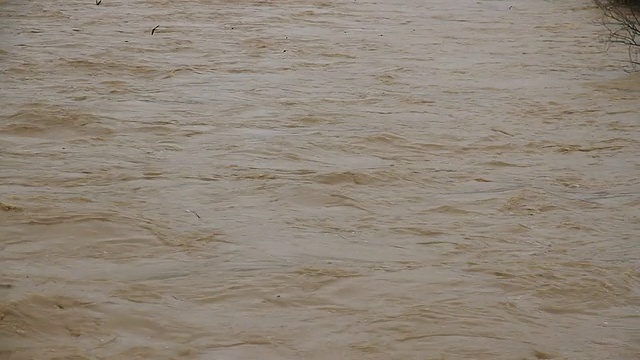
column 317, row 180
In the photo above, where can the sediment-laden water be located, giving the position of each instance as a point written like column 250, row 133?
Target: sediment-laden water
column 317, row 180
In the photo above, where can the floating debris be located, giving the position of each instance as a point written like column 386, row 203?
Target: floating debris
column 194, row 213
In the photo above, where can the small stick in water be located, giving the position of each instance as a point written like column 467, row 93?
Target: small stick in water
column 193, row 212
column 154, row 29
column 98, row 2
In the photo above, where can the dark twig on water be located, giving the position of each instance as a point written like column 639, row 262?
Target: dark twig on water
column 154, row 29
column 98, row 2
column 194, row 213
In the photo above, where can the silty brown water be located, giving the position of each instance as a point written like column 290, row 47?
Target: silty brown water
column 316, row 180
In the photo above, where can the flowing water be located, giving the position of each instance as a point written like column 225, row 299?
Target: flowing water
column 348, row 179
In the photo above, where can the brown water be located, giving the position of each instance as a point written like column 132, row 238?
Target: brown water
column 408, row 180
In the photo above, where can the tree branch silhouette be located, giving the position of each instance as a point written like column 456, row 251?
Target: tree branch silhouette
column 621, row 18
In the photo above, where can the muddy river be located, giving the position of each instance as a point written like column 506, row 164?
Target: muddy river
column 317, row 180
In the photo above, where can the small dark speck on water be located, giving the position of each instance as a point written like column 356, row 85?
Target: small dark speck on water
column 154, row 29
column 284, row 51
column 98, row 2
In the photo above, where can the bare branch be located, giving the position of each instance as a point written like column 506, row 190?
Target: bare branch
column 621, row 19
